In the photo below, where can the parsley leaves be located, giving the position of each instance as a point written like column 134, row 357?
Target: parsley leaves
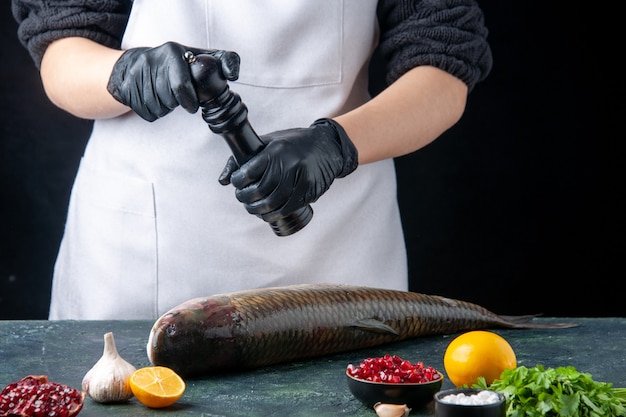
column 556, row 392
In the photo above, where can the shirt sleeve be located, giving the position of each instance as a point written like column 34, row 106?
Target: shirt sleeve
column 40, row 22
column 448, row 34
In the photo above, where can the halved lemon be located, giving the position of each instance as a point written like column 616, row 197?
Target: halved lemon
column 157, row 386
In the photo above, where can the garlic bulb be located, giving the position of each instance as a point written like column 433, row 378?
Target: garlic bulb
column 108, row 380
column 391, row 410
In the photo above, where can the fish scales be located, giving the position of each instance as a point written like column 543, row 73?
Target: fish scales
column 255, row 328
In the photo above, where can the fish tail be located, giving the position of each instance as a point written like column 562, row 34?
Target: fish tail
column 525, row 322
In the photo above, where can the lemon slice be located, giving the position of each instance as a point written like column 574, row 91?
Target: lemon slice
column 157, row 386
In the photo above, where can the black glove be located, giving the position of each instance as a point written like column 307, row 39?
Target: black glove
column 154, row 81
column 293, row 170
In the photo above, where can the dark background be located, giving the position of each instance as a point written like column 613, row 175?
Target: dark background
column 520, row 207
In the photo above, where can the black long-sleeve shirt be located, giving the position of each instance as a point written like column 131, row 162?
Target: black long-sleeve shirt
column 448, row 34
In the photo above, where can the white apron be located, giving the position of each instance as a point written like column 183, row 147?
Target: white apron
column 149, row 226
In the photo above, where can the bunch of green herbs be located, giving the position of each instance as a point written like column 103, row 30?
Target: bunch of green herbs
column 553, row 392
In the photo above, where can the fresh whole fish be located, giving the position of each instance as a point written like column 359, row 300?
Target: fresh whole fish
column 255, row 328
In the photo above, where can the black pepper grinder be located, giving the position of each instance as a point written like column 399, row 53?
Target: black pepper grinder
column 227, row 116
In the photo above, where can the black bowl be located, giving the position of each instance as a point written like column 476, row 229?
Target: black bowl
column 445, row 409
column 415, row 396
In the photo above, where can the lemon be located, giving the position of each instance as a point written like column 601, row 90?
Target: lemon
column 157, row 386
column 475, row 354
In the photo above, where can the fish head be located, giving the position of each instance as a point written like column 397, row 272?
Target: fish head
column 196, row 337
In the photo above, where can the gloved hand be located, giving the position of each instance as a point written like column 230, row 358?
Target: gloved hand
column 293, row 170
column 154, row 81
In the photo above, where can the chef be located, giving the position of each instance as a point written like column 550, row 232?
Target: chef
column 149, row 225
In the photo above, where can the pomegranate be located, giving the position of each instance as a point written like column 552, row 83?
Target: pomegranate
column 35, row 396
column 393, row 369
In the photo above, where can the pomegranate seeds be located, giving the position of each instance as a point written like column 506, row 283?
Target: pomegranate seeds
column 394, row 370
column 35, row 396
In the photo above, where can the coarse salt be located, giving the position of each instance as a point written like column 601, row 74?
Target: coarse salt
column 483, row 397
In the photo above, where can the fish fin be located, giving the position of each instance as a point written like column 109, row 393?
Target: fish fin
column 374, row 325
column 524, row 322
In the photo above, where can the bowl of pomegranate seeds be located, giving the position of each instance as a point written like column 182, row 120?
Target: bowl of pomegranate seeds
column 390, row 379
